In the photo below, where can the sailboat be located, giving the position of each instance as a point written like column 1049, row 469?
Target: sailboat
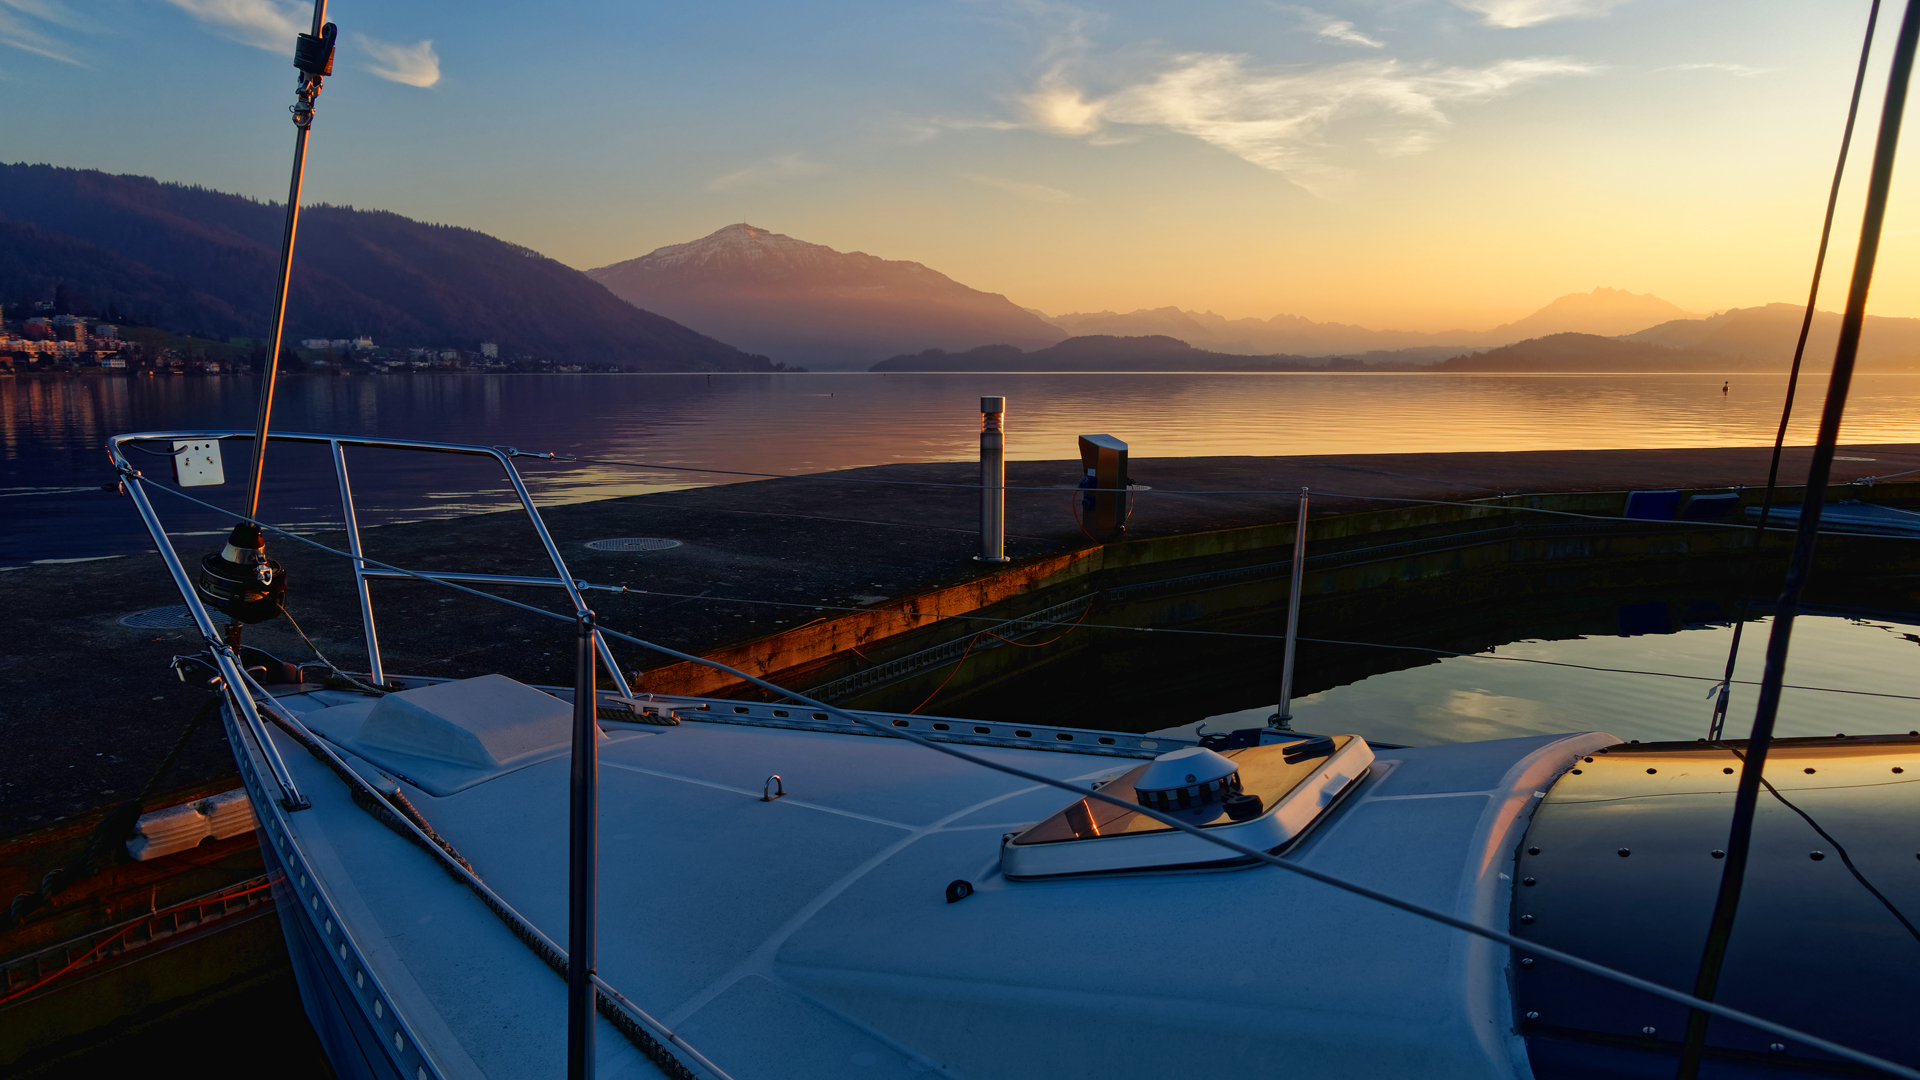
column 484, row 877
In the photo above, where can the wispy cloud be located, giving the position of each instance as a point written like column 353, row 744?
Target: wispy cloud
column 1294, row 121
column 1024, row 189
column 19, row 28
column 414, row 65
column 774, row 170
column 1338, row 30
column 1514, row 14
column 263, row 24
column 273, row 24
column 1740, row 70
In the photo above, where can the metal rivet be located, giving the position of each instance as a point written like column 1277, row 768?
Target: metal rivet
column 1624, row 852
column 1816, row 856
column 1647, row 1031
column 1533, row 851
column 1526, row 961
column 1529, row 881
column 1718, row 854
column 1533, row 1016
column 1526, row 918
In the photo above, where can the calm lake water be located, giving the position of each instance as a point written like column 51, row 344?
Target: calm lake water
column 52, row 429
column 1468, row 698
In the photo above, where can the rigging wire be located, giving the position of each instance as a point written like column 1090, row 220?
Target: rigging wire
column 1332, row 880
column 685, row 597
column 1747, row 795
column 1722, row 700
column 1845, row 859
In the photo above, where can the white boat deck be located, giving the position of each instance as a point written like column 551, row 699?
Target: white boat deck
column 810, row 936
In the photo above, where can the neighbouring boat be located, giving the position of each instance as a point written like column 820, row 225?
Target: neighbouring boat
column 787, row 890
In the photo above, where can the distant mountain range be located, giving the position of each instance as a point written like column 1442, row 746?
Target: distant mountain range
column 1095, row 352
column 1767, row 334
column 1591, row 352
column 194, row 260
column 1606, row 312
column 807, row 303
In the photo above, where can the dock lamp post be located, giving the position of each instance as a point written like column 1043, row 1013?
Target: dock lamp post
column 993, row 480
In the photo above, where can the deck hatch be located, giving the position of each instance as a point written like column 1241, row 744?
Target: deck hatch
column 1293, row 788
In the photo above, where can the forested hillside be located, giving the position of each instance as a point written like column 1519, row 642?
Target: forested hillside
column 194, row 260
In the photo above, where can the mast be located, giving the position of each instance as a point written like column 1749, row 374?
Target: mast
column 313, row 55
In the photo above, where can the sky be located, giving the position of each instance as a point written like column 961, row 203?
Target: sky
column 1407, row 164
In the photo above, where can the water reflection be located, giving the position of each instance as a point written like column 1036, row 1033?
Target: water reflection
column 51, row 429
column 1462, row 699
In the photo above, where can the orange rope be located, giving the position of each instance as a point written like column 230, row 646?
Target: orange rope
column 950, row 674
column 988, row 633
column 1073, row 504
column 122, row 933
column 1084, row 612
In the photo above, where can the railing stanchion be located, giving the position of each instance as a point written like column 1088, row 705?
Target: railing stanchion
column 376, row 670
column 1284, row 718
column 583, row 835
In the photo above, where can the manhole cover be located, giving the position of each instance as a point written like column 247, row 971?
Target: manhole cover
column 634, row 543
column 167, row 618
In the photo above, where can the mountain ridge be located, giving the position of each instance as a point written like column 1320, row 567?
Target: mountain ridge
column 1604, row 311
column 805, row 302
column 203, row 261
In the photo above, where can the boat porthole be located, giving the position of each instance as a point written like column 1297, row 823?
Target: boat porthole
column 343, row 950
column 398, row 1042
column 982, row 731
column 420, row 1072
column 303, row 881
column 360, row 979
column 1809, row 772
column 379, row 1009
column 329, row 927
column 1024, row 734
column 316, row 901
column 1650, row 772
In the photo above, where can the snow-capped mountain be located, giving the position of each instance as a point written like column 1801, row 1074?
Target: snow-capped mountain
column 809, row 304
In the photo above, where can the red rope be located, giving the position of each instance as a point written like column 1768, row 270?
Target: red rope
column 1084, row 612
column 988, row 633
column 950, row 674
column 1074, row 505
column 122, row 933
